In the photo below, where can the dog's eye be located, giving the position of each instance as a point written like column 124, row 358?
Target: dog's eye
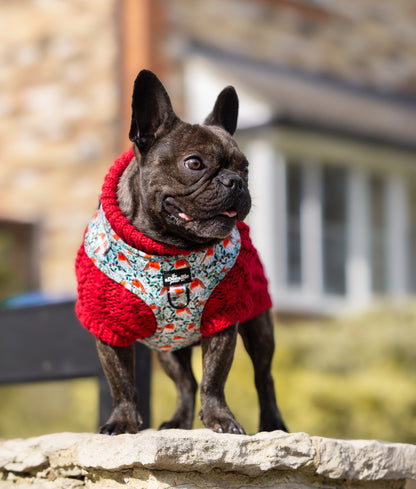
column 193, row 163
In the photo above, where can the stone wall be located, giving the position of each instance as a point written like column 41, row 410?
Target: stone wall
column 363, row 42
column 200, row 459
column 59, row 109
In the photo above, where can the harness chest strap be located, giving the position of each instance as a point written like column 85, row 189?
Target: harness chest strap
column 176, row 288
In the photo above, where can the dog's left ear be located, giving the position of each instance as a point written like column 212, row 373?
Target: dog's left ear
column 225, row 112
column 152, row 112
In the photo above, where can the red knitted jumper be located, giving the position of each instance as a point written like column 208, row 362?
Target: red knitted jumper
column 119, row 317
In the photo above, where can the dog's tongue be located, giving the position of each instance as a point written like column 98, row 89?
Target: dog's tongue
column 187, row 218
column 229, row 213
column 184, row 216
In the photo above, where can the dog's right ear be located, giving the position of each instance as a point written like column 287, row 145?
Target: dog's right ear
column 225, row 112
column 152, row 112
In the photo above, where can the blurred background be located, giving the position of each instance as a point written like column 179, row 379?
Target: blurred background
column 328, row 121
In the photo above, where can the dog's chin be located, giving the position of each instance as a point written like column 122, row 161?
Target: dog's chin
column 203, row 229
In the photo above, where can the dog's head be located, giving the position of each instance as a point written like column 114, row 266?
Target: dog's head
column 188, row 183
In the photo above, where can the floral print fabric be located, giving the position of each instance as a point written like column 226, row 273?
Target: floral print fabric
column 175, row 288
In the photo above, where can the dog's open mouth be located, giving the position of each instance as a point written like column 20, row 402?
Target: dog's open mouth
column 231, row 214
column 173, row 209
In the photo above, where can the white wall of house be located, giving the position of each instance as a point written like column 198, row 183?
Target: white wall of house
column 320, row 258
column 270, row 221
column 202, row 85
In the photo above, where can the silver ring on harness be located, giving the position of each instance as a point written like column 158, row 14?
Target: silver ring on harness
column 180, row 305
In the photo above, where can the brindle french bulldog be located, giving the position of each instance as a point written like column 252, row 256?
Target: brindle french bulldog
column 187, row 187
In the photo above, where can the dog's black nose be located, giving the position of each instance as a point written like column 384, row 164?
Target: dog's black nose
column 232, row 181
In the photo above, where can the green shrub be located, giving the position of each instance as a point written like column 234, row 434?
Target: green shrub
column 45, row 407
column 350, row 377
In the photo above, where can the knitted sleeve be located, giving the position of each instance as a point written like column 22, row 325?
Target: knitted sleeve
column 108, row 310
column 243, row 293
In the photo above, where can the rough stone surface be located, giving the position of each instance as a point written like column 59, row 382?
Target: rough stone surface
column 201, row 458
column 59, row 109
column 369, row 460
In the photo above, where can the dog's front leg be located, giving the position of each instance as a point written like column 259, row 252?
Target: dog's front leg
column 178, row 365
column 217, row 357
column 118, row 366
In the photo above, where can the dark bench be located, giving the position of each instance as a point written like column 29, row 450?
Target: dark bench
column 47, row 342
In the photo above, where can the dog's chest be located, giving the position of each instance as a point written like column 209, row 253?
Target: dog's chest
column 175, row 288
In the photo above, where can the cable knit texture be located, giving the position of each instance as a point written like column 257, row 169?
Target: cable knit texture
column 119, row 317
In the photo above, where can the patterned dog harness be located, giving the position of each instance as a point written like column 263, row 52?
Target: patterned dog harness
column 176, row 288
column 132, row 288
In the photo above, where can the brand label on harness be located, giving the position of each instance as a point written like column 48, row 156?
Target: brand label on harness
column 177, row 277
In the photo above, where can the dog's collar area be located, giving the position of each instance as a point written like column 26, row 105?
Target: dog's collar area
column 107, row 238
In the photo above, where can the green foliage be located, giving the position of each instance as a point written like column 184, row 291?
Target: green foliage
column 347, row 378
column 38, row 408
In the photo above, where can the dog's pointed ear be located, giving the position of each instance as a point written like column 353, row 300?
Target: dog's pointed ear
column 152, row 112
column 225, row 112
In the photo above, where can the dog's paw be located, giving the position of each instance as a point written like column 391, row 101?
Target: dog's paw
column 181, row 420
column 271, row 420
column 118, row 428
column 123, row 419
column 226, row 425
column 276, row 424
column 174, row 424
column 222, row 422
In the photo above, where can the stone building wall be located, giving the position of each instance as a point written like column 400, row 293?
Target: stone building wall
column 363, row 42
column 59, row 106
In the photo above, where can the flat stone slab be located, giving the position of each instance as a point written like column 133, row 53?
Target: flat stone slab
column 202, row 451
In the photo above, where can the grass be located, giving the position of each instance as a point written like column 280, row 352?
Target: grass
column 348, row 378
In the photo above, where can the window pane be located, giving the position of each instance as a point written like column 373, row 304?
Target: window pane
column 334, row 230
column 293, row 196
column 378, row 235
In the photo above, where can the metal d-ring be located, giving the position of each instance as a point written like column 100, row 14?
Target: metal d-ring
column 181, row 305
